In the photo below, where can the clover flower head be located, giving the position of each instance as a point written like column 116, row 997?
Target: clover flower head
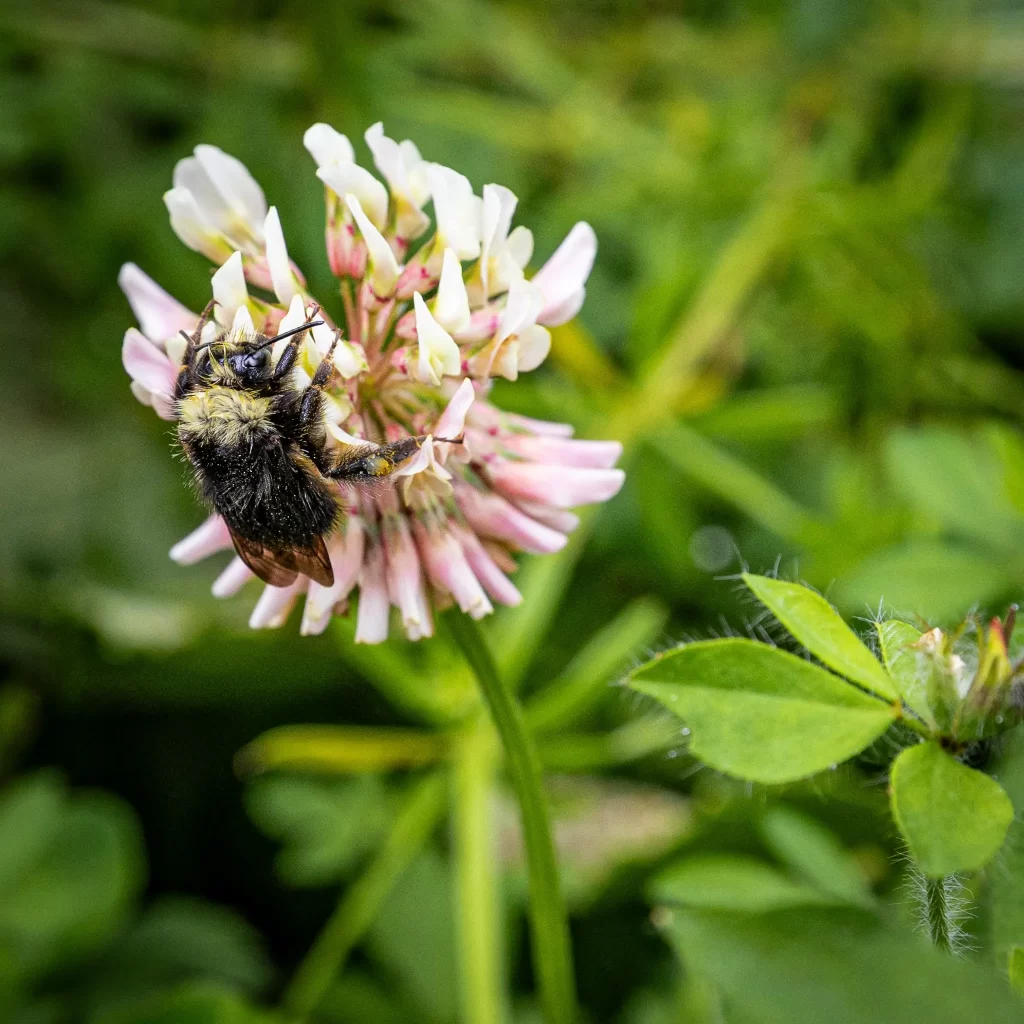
column 433, row 306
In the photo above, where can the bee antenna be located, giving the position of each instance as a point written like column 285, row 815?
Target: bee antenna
column 288, row 334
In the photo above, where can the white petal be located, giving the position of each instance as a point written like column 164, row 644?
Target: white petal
column 534, row 346
column 453, row 419
column 456, row 209
column 242, row 325
column 521, row 308
column 451, row 306
column 295, row 317
column 438, row 353
column 281, row 275
column 382, row 263
column 328, row 146
column 389, row 158
column 233, row 181
column 229, row 289
column 520, row 245
column 192, row 227
column 191, row 176
column 372, row 195
column 160, row 315
column 567, row 271
column 562, row 312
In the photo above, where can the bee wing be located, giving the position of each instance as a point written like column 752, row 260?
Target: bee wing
column 280, row 566
column 314, row 562
column 273, row 567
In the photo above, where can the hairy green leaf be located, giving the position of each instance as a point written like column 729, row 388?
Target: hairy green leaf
column 819, row 627
column 896, row 639
column 953, row 818
column 761, row 713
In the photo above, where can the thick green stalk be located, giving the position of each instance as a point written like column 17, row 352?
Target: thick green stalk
column 416, row 820
column 939, row 913
column 477, row 924
column 552, row 951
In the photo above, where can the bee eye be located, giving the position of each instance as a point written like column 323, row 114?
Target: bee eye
column 249, row 362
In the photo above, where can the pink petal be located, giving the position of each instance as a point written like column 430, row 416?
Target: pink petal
column 346, row 553
column 492, row 516
column 562, row 312
column 164, row 406
column 561, row 486
column 232, row 579
column 448, row 570
column 374, row 606
column 147, row 364
column 557, row 518
column 591, row 454
column 545, row 427
column 562, row 278
column 275, row 604
column 452, row 421
column 208, row 539
column 405, row 579
column 160, row 315
column 498, row 586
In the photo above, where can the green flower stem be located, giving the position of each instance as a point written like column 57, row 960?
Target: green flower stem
column 416, row 820
column 477, row 902
column 552, row 951
column 938, row 913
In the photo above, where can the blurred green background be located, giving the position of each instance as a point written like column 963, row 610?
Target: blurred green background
column 806, row 321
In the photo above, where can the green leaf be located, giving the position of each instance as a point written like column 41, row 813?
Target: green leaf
column 413, row 936
column 731, row 882
column 957, row 480
column 181, row 938
column 896, row 640
column 326, row 825
column 74, row 888
column 937, row 580
column 1006, row 877
column 953, row 818
column 813, row 851
column 1015, row 968
column 198, row 1003
column 818, row 626
column 814, row 965
column 761, row 713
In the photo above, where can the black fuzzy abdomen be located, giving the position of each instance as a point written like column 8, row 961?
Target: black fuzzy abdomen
column 267, row 492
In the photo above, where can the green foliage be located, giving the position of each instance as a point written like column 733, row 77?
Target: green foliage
column 326, row 826
column 803, row 966
column 812, row 850
column 954, row 818
column 804, row 323
column 818, row 626
column 761, row 713
column 730, row 882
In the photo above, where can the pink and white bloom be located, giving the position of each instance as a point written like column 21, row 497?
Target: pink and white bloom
column 427, row 326
column 563, row 278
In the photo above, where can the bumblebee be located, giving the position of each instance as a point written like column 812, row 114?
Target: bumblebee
column 258, row 448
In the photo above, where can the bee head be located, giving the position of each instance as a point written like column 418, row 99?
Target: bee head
column 242, row 363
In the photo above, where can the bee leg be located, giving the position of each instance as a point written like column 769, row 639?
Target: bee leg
column 291, row 353
column 185, row 374
column 309, row 412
